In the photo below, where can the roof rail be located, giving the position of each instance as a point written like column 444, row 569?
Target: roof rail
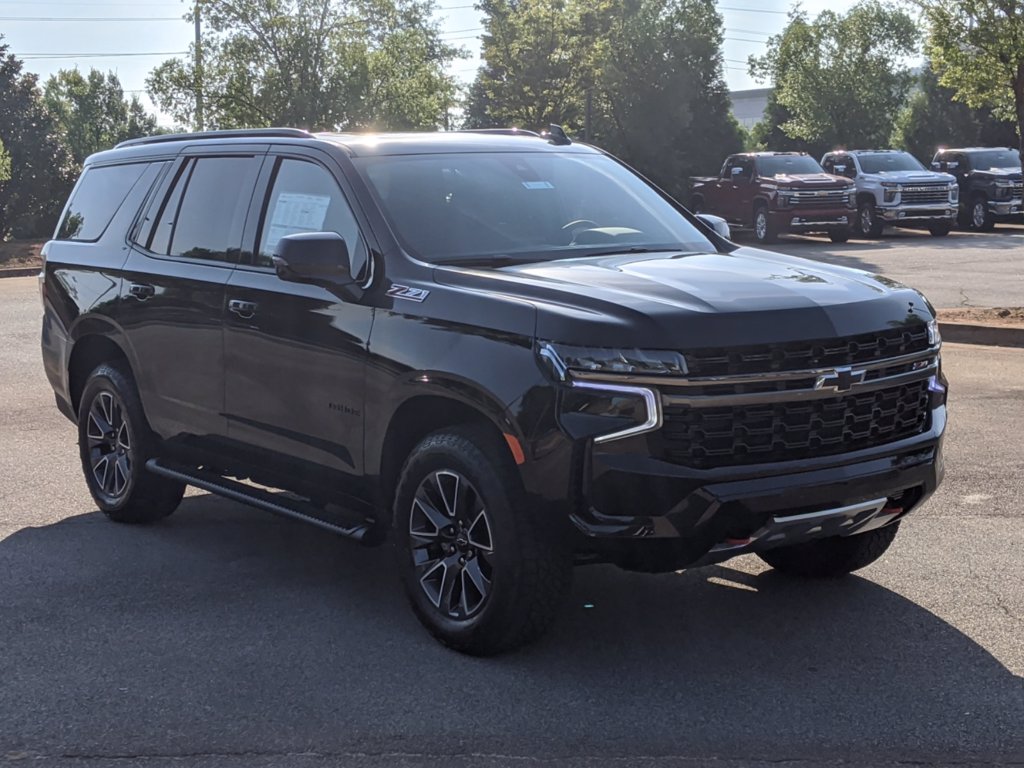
column 503, row 132
column 239, row 133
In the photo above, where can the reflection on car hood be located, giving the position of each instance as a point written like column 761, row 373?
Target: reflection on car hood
column 809, row 180
column 709, row 299
column 923, row 177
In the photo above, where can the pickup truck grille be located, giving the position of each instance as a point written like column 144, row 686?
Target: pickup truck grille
column 929, row 193
column 824, row 198
column 796, row 356
column 1018, row 189
column 792, row 430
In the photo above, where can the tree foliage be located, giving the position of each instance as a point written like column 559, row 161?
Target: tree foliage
column 5, row 164
column 841, row 79
column 932, row 119
column 41, row 170
column 652, row 70
column 320, row 64
column 92, row 112
column 977, row 49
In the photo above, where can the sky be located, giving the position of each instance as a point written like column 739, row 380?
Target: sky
column 130, row 38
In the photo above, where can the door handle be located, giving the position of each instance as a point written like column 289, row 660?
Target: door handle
column 141, row 291
column 244, row 309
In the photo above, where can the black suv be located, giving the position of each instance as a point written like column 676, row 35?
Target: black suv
column 505, row 352
column 991, row 186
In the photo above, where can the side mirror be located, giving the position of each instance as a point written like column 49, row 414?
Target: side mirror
column 952, row 166
column 717, row 223
column 313, row 257
column 938, row 167
column 839, row 170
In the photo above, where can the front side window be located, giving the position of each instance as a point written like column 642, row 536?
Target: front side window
column 202, row 215
column 890, row 161
column 529, row 206
column 304, row 197
column 995, row 158
column 785, row 165
column 97, row 197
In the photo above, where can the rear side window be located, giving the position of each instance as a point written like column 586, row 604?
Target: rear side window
column 202, row 215
column 97, row 197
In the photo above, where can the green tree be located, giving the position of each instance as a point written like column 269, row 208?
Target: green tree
column 41, row 169
column 841, row 79
column 5, row 164
column 320, row 64
column 932, row 119
column 977, row 49
column 92, row 111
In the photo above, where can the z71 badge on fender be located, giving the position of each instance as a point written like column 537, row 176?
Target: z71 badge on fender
column 405, row 292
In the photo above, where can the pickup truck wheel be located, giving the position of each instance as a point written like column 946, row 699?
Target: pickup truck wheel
column 484, row 572
column 764, row 228
column 839, row 235
column 940, row 230
column 868, row 224
column 114, row 443
column 981, row 217
column 833, row 557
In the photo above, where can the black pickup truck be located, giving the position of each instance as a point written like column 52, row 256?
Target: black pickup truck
column 506, row 354
column 991, row 185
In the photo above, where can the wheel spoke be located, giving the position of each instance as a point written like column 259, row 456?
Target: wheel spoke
column 124, row 472
column 449, row 494
column 429, row 517
column 98, row 427
column 480, row 533
column 451, row 579
column 480, row 582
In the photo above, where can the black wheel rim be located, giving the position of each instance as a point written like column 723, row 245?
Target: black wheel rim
column 451, row 543
column 110, row 445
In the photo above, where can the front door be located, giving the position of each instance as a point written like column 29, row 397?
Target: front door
column 172, row 295
column 296, row 353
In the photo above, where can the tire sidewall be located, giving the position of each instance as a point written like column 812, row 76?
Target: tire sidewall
column 108, row 380
column 430, row 457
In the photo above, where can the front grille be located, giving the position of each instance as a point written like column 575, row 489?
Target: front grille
column 793, row 430
column 1018, row 189
column 803, row 355
column 821, row 199
column 925, row 194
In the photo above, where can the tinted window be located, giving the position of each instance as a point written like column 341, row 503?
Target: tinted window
column 528, row 205
column 995, row 158
column 305, row 198
column 781, row 165
column 889, row 161
column 96, row 199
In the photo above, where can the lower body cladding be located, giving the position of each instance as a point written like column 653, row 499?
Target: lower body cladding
column 810, row 220
column 647, row 514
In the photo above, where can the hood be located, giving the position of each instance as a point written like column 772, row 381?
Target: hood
column 913, row 177
column 808, row 181
column 673, row 300
column 1013, row 174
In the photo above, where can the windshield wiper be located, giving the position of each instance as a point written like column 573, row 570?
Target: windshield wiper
column 626, row 251
column 489, row 261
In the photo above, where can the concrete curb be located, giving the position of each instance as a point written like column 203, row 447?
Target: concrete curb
column 985, row 335
column 19, row 272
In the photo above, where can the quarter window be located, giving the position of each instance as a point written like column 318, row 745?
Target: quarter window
column 96, row 199
column 306, row 198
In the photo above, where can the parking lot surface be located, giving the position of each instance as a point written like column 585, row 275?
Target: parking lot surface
column 226, row 637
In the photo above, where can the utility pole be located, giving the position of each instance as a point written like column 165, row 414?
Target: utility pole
column 199, row 67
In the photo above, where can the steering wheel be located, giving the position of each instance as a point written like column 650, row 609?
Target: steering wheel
column 572, row 226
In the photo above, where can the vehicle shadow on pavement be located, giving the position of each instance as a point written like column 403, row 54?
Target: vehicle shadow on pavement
column 225, row 630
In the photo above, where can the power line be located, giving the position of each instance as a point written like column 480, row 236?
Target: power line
column 89, row 18
column 36, row 56
column 752, row 10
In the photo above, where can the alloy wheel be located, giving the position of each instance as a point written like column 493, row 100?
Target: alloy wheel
column 978, row 214
column 866, row 220
column 110, row 446
column 761, row 225
column 451, row 544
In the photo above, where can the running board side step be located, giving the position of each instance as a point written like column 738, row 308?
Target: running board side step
column 254, row 497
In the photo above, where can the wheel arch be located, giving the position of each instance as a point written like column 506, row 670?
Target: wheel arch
column 90, row 351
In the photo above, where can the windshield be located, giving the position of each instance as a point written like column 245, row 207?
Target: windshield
column 523, row 205
column 995, row 158
column 889, row 161
column 777, row 165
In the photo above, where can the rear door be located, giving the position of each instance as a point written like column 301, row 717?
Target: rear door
column 296, row 353
column 185, row 247
column 743, row 189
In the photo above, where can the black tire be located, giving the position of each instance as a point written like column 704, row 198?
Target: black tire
column 839, row 235
column 115, row 442
column 523, row 556
column 981, row 217
column 833, row 557
column 868, row 224
column 765, row 229
column 940, row 230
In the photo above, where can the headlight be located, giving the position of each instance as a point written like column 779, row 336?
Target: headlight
column 785, row 201
column 891, row 191
column 954, row 192
column 934, row 336
column 1003, row 188
column 853, row 199
column 646, row 362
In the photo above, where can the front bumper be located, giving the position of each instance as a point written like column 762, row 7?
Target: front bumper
column 914, row 214
column 812, row 219
column 647, row 514
column 1007, row 208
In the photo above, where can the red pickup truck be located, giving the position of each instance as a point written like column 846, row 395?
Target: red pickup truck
column 776, row 192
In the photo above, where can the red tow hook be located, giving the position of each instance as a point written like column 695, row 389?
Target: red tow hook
column 738, row 542
column 890, row 509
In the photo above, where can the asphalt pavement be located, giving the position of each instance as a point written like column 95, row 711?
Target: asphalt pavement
column 963, row 269
column 226, row 637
